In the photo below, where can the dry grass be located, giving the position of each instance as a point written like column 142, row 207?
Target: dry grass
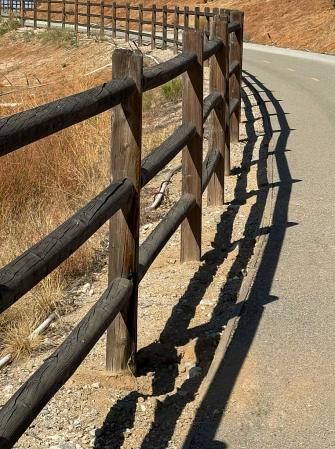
column 41, row 186
column 44, row 183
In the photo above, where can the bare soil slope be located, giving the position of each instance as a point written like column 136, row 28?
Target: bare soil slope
column 297, row 24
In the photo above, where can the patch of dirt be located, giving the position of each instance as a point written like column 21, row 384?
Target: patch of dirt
column 183, row 310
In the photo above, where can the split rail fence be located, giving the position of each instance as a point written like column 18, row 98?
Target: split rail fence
column 156, row 24
column 116, row 310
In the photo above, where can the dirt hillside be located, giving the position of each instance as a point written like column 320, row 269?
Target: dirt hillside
column 297, row 24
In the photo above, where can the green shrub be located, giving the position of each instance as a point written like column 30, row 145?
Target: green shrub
column 57, row 36
column 28, row 36
column 10, row 24
column 172, row 90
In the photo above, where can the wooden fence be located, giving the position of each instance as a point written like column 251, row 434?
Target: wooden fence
column 116, row 310
column 156, row 24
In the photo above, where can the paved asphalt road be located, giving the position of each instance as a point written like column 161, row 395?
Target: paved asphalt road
column 275, row 387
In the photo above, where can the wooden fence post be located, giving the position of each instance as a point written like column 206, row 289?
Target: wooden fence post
column 49, row 14
column 124, row 226
column 235, row 83
column 35, row 15
column 164, row 28
column 192, row 110
column 76, row 17
column 114, row 20
column 63, row 14
column 219, row 118
column 153, row 27
column 88, row 14
column 176, row 30
column 186, row 17
column 196, row 17
column 127, row 22
column 140, row 24
column 22, row 12
column 206, row 29
column 102, row 18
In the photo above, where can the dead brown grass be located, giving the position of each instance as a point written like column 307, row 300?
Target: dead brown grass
column 44, row 183
column 41, row 186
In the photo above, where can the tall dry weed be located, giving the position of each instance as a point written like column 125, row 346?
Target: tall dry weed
column 41, row 186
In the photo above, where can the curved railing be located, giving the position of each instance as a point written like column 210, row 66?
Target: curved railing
column 120, row 202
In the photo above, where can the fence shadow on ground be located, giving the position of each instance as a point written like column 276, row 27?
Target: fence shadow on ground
column 176, row 332
column 203, row 432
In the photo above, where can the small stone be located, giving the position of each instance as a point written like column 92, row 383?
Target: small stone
column 85, row 287
column 143, row 408
column 140, row 399
column 216, row 412
column 90, row 293
column 96, row 385
column 194, row 372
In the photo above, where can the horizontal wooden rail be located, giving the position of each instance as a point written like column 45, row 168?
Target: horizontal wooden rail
column 162, row 73
column 233, row 105
column 157, row 239
column 23, row 273
column 22, row 408
column 234, row 26
column 233, row 66
column 29, row 126
column 164, row 153
column 211, row 47
column 210, row 102
column 209, row 166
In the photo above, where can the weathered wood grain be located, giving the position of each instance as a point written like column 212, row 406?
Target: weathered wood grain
column 158, row 238
column 211, row 47
column 218, row 82
column 22, row 408
column 126, row 37
column 210, row 102
column 140, row 24
column 209, row 165
column 234, row 24
column 153, row 27
column 175, row 30
column 26, row 271
column 26, row 127
column 124, row 226
column 233, row 66
column 164, row 28
column 102, row 18
column 162, row 73
column 206, row 30
column 233, row 106
column 164, row 153
column 192, row 111
column 235, row 82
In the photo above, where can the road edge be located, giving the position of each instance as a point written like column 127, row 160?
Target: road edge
column 261, row 237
